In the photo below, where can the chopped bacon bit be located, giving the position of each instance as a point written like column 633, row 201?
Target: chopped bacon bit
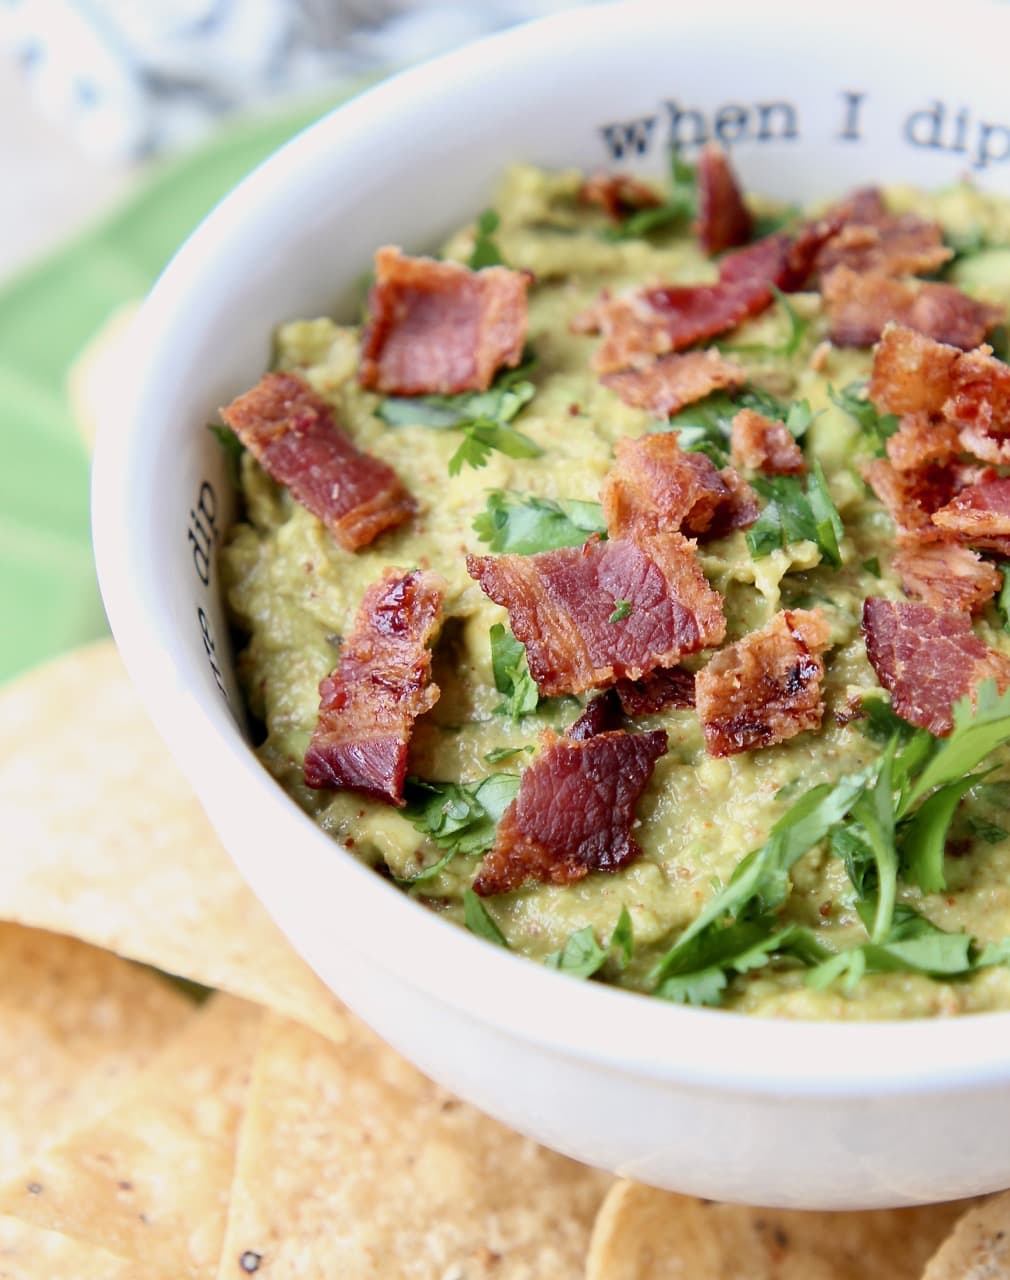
column 947, row 576
column 911, row 497
column 927, row 659
column 873, row 240
column 668, row 384
column 920, row 440
column 980, row 393
column 651, row 322
column 292, row 432
column 655, row 486
column 560, row 605
column 724, row 221
column 382, row 683
column 766, row 687
column 911, row 373
column 438, row 327
column 574, row 812
column 602, row 714
column 979, row 514
column 671, row 690
column 759, row 444
column 860, row 306
column 619, row 194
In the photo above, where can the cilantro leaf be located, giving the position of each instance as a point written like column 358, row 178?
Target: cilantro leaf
column 1003, row 599
column 231, row 446
column 977, row 731
column 512, row 674
column 622, row 610
column 874, row 811
column 913, row 945
column 485, row 251
column 458, row 817
column 523, row 524
column 680, row 205
column 798, row 326
column 582, row 955
column 876, row 427
column 796, row 512
column 484, row 438
column 827, row 521
column 704, row 970
column 924, row 836
column 479, row 921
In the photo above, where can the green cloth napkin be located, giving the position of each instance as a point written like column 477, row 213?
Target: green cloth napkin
column 49, row 598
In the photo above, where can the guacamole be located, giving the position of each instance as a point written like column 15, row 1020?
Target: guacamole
column 293, row 595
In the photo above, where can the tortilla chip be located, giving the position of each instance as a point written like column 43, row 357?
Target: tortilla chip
column 352, row 1164
column 979, row 1248
column 75, row 1025
column 104, row 840
column 149, row 1179
column 645, row 1234
column 28, row 1253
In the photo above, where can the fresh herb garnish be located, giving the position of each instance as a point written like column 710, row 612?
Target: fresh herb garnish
column 876, row 427
column 502, row 753
column 523, row 524
column 766, row 224
column 872, row 566
column 680, row 205
column 458, row 817
column 706, row 426
column 913, row 944
column 512, row 674
column 1003, row 599
column 483, row 417
column 485, row 251
column 622, row 610
column 231, row 445
column 798, row 326
column 478, row 921
column 796, row 512
column 582, row 955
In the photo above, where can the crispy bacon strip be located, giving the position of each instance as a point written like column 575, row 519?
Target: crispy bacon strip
column 859, row 306
column 293, row 433
column 618, row 194
column 875, row 241
column 671, row 382
column 922, row 440
column 671, row 690
column 655, row 486
column 911, row 497
column 560, row 605
column 759, row 444
column 979, row 514
column 438, row 327
column 381, row 684
column 947, row 576
column 927, row 659
column 602, row 715
column 766, row 687
column 574, row 812
column 724, row 221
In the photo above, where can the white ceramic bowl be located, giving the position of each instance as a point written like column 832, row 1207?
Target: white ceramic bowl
column 798, row 1114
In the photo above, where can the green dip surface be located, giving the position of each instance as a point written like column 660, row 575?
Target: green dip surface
column 293, row 594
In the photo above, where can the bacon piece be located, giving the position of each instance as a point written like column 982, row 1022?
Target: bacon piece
column 438, row 327
column 927, row 659
column 911, row 497
column 574, row 812
column 602, row 714
column 671, row 690
column 766, row 687
column 671, row 382
column 655, row 486
column 980, row 393
column 760, row 444
column 979, row 514
column 911, row 373
column 619, row 194
column 381, row 684
column 560, row 605
column 293, row 433
column 873, row 240
column 860, row 306
column 921, row 440
column 947, row 576
column 724, row 221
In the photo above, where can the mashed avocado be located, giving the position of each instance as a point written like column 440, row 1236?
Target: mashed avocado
column 293, row 594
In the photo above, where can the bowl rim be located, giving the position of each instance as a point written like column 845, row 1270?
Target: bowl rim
column 710, row 1049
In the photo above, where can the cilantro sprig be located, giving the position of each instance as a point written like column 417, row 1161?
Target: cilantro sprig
column 458, row 817
column 512, row 674
column 876, row 427
column 523, row 524
column 796, row 510
column 798, row 326
column 680, row 205
column 706, row 426
column 482, row 416
column 582, row 955
column 485, row 252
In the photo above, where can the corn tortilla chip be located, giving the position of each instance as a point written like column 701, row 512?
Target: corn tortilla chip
column 352, row 1164
column 75, row 1025
column 979, row 1247
column 121, row 853
column 149, row 1180
column 29, row 1253
column 645, row 1234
